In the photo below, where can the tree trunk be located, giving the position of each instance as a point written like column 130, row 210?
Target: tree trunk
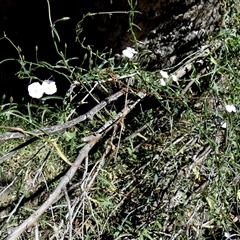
column 171, row 29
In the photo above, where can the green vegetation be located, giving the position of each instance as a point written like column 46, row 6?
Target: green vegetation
column 157, row 162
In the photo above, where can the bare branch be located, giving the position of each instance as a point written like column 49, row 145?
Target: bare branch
column 68, row 124
column 92, row 140
column 55, row 194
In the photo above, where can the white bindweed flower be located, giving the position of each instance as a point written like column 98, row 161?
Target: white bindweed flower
column 35, row 90
column 162, row 82
column 164, row 74
column 129, row 52
column 230, row 108
column 227, row 235
column 223, row 124
column 49, row 87
column 174, row 78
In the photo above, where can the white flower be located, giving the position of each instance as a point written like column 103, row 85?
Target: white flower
column 129, row 52
column 227, row 235
column 223, row 124
column 162, row 82
column 230, row 108
column 164, row 74
column 174, row 78
column 35, row 90
column 49, row 87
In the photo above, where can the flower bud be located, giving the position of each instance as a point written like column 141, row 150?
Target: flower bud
column 11, row 99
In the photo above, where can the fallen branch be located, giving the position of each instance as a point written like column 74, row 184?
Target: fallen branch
column 55, row 194
column 68, row 124
column 92, row 140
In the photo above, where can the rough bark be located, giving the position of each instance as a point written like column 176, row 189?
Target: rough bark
column 171, row 29
column 167, row 22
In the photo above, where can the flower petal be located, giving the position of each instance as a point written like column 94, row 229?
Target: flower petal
column 35, row 90
column 230, row 108
column 164, row 74
column 162, row 82
column 129, row 52
column 49, row 87
column 223, row 124
column 174, row 78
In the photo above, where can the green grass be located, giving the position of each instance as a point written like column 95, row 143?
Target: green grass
column 167, row 170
